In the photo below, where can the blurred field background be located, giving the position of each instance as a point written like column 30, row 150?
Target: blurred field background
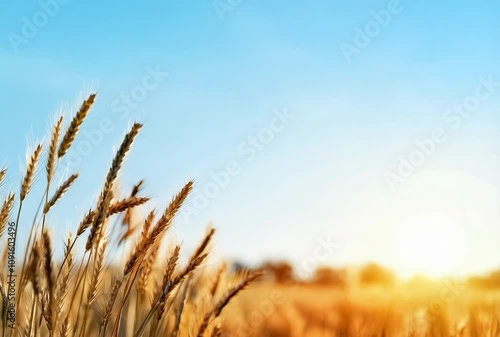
column 369, row 301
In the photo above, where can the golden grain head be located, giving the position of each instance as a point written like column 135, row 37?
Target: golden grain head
column 52, row 156
column 30, row 172
column 74, row 127
column 65, row 186
column 5, row 212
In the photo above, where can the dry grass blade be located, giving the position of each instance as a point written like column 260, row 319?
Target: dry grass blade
column 52, row 156
column 30, row 172
column 75, row 125
column 60, row 192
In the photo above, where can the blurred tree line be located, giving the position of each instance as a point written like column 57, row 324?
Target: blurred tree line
column 282, row 272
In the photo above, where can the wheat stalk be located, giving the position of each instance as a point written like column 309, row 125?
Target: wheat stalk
column 60, row 192
column 107, row 194
column 75, row 125
column 52, row 156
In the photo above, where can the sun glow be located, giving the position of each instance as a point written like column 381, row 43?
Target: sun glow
column 433, row 244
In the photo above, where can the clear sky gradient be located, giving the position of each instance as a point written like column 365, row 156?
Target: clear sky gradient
column 231, row 65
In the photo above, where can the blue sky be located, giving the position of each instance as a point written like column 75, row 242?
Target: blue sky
column 324, row 175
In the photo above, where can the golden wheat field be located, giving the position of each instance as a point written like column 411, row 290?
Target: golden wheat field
column 249, row 168
column 146, row 294
column 272, row 310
